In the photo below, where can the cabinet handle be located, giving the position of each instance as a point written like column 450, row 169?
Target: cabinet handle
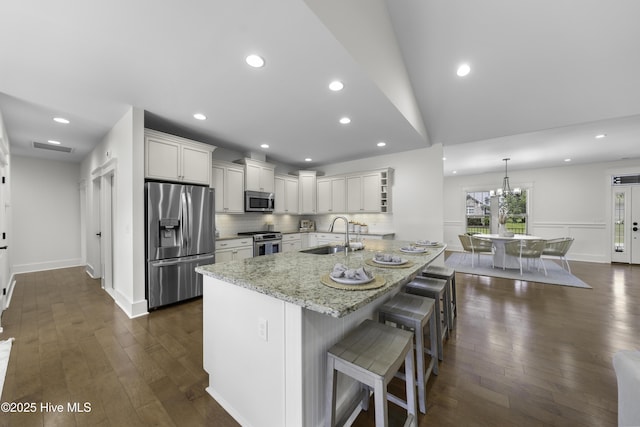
column 223, row 244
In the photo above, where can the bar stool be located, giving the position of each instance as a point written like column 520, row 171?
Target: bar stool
column 372, row 353
column 448, row 274
column 435, row 289
column 414, row 312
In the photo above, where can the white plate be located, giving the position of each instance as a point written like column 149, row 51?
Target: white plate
column 404, row 261
column 424, row 243
column 345, row 281
column 413, row 251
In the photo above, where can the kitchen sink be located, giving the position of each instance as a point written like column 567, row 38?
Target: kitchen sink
column 324, row 250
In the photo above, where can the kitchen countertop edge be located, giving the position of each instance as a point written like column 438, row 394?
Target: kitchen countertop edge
column 305, row 290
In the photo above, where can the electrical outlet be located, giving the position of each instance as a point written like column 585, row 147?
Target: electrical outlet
column 263, row 328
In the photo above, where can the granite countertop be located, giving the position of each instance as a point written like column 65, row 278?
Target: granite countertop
column 351, row 233
column 295, row 276
column 307, row 232
column 232, row 237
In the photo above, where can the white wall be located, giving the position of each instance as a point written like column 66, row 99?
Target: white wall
column 46, row 214
column 572, row 201
column 7, row 281
column 416, row 191
column 122, row 150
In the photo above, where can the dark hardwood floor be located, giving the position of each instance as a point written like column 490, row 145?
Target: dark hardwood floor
column 523, row 354
column 528, row 354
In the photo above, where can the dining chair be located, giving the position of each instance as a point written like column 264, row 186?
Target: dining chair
column 559, row 248
column 475, row 245
column 528, row 248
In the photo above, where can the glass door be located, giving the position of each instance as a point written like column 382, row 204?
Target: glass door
column 621, row 250
column 626, row 228
column 634, row 227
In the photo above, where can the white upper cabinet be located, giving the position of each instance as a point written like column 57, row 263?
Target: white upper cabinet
column 286, row 194
column 307, row 192
column 259, row 176
column 228, row 181
column 172, row 158
column 369, row 192
column 331, row 195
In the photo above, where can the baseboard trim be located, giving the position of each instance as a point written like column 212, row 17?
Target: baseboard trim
column 48, row 265
column 12, row 285
column 90, row 271
column 131, row 309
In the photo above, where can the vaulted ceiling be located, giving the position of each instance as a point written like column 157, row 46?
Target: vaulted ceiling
column 546, row 77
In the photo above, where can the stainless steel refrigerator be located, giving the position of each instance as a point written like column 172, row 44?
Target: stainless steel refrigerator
column 180, row 236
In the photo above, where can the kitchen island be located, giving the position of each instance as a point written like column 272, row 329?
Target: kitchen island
column 269, row 320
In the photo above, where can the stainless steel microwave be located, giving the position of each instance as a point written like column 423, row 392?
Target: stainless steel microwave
column 258, row 201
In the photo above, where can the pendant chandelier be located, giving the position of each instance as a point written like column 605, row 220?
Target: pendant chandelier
column 505, row 190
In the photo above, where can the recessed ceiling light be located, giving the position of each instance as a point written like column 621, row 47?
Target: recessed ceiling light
column 61, row 120
column 381, row 144
column 600, row 136
column 567, row 160
column 308, row 159
column 444, row 158
column 463, row 70
column 345, row 120
column 336, row 85
column 455, row 172
column 264, row 145
column 51, row 141
column 199, row 116
column 255, row 61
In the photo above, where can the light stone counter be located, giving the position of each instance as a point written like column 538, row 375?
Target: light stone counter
column 294, row 277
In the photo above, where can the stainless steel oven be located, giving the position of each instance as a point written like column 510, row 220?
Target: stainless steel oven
column 265, row 242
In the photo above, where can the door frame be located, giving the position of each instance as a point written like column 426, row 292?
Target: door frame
column 104, row 221
column 627, row 258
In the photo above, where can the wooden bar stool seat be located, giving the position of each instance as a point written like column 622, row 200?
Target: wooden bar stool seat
column 448, row 274
column 372, row 354
column 435, row 289
column 415, row 312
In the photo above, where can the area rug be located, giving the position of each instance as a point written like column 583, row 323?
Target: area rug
column 556, row 275
column 5, row 352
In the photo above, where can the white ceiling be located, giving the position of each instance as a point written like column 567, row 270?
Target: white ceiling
column 546, row 77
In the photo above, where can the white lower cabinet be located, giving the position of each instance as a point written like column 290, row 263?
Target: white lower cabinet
column 328, row 239
column 304, row 241
column 291, row 242
column 233, row 249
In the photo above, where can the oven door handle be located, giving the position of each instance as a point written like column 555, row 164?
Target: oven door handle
column 267, row 246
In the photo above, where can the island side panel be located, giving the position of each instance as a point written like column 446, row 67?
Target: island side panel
column 246, row 372
column 321, row 332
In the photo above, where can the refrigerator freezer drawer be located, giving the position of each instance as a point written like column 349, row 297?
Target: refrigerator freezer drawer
column 175, row 280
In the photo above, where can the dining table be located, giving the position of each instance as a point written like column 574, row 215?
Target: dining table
column 500, row 259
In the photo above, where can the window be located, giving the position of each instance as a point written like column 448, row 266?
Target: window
column 479, row 215
column 517, row 211
column 478, row 212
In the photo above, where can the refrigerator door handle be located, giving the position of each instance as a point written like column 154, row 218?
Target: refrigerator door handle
column 166, row 263
column 186, row 238
column 182, row 260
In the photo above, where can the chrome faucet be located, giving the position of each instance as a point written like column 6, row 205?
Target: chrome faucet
column 346, row 229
